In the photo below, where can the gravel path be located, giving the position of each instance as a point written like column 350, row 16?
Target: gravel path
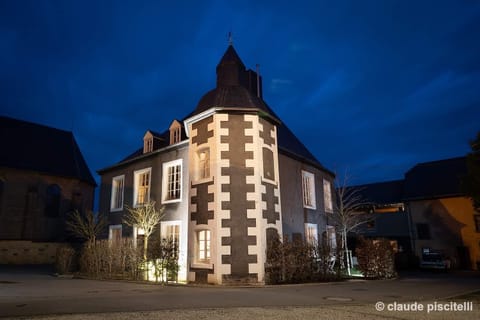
column 290, row 313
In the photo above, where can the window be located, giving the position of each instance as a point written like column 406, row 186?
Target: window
column 148, row 144
column 116, row 202
column 175, row 132
column 203, row 245
column 52, row 204
column 141, row 192
column 477, row 222
column 308, row 187
column 327, row 196
column 423, row 231
column 331, row 237
column 175, row 135
column 203, row 157
column 115, row 234
column 171, row 231
column 172, row 181
column 77, row 200
column 268, row 164
column 311, row 234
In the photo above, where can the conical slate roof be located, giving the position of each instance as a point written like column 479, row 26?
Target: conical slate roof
column 239, row 88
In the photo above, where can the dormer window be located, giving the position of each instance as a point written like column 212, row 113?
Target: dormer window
column 148, row 145
column 148, row 142
column 175, row 132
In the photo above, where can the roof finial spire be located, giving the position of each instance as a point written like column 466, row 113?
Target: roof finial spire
column 230, row 38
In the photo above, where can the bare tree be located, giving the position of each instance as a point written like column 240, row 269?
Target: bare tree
column 87, row 226
column 349, row 213
column 145, row 217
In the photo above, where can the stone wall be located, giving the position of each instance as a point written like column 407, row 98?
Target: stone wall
column 28, row 252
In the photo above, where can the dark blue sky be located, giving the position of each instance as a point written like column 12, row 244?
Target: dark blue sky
column 372, row 86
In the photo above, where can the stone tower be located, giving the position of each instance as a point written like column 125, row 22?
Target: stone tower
column 233, row 178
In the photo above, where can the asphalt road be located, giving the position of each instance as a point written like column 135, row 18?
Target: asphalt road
column 29, row 294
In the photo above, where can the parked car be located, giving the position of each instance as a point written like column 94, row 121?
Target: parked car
column 434, row 260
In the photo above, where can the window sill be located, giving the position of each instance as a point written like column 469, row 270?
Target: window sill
column 200, row 181
column 200, row 265
column 310, row 207
column 172, row 201
column 116, row 209
column 269, row 181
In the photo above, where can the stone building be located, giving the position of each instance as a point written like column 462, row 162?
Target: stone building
column 231, row 175
column 43, row 176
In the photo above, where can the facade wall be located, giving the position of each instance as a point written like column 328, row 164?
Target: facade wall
column 25, row 199
column 451, row 227
column 28, row 252
column 175, row 212
column 240, row 199
column 294, row 214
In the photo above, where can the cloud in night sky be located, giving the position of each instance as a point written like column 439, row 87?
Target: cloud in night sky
column 374, row 86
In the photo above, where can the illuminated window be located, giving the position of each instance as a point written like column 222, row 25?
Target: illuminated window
column 203, row 164
column 141, row 190
column 308, row 188
column 311, row 233
column 331, row 237
column 203, row 245
column 116, row 202
column 172, row 181
column 327, row 196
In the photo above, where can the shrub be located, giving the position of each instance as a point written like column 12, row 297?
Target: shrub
column 376, row 258
column 64, row 259
column 104, row 259
column 297, row 262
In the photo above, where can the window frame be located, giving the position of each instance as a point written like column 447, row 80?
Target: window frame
column 269, row 152
column 331, row 237
column 311, row 238
column 148, row 145
column 327, row 196
column 203, row 165
column 110, row 232
column 207, row 248
column 426, row 233
column 308, row 182
column 164, row 225
column 114, row 193
column 166, row 182
column 136, row 180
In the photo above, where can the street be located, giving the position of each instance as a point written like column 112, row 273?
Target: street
column 27, row 294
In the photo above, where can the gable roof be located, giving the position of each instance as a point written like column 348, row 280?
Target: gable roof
column 435, row 179
column 30, row 146
column 383, row 193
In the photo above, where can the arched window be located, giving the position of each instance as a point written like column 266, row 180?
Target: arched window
column 52, row 201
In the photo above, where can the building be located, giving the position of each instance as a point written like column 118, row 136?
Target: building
column 443, row 218
column 231, row 175
column 427, row 213
column 43, row 176
column 385, row 206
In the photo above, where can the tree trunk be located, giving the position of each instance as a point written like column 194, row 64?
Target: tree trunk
column 145, row 247
column 347, row 254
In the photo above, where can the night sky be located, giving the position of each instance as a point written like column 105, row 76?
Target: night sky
column 373, row 87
